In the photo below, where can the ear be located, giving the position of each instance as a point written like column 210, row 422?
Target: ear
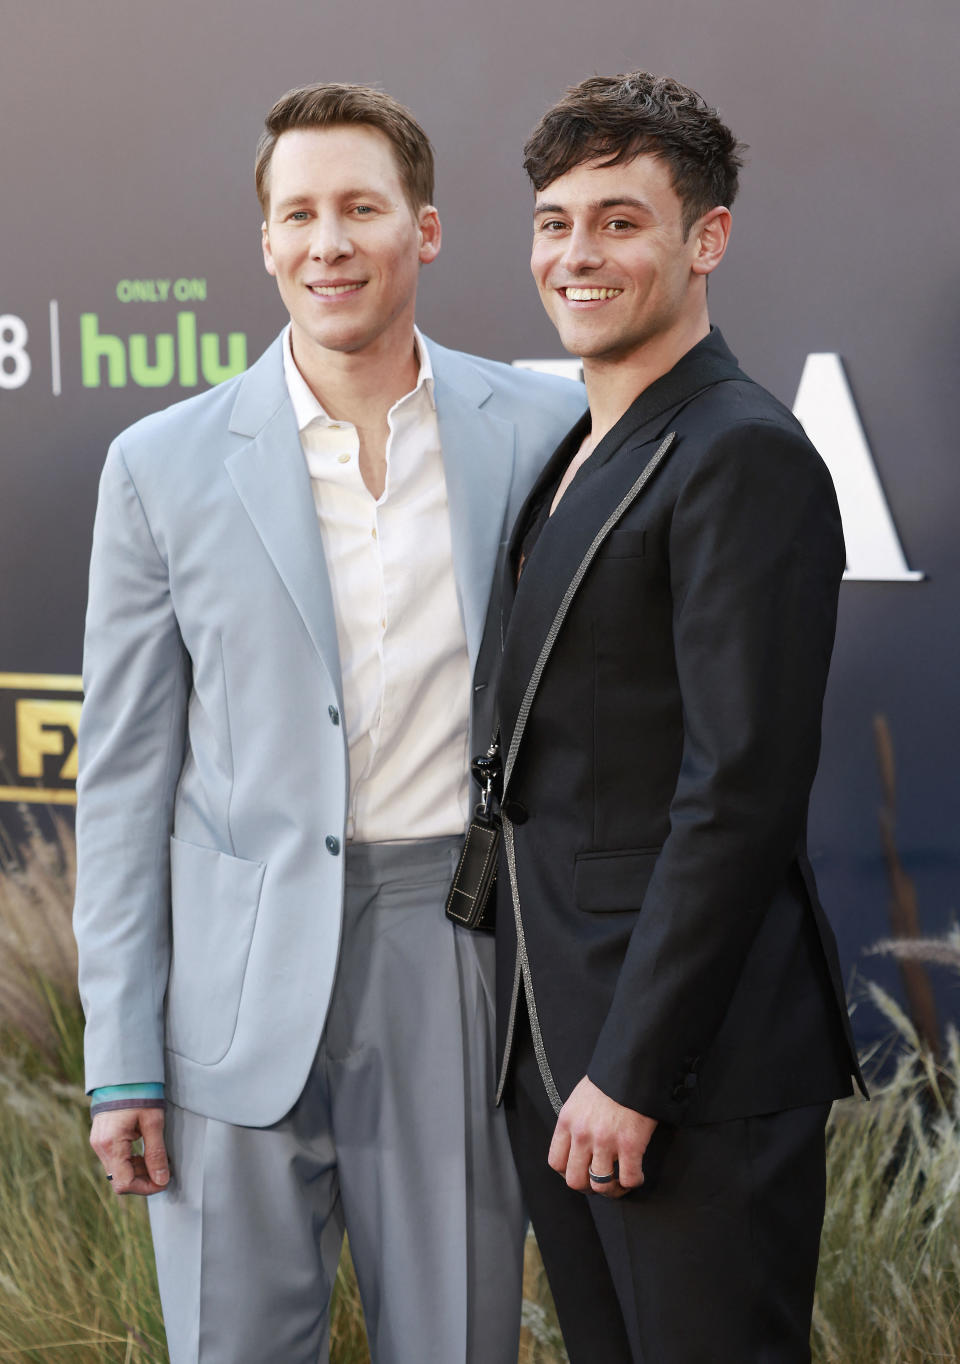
column 428, row 227
column 265, row 247
column 711, row 235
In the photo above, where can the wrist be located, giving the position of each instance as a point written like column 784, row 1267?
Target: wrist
column 107, row 1098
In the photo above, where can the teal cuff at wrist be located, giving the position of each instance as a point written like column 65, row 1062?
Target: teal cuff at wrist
column 114, row 1093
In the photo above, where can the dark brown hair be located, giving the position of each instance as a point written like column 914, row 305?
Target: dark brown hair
column 327, row 106
column 612, row 119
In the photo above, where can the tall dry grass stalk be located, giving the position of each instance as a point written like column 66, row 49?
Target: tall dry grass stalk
column 904, row 910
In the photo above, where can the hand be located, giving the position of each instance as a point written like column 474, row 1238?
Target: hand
column 112, row 1136
column 592, row 1132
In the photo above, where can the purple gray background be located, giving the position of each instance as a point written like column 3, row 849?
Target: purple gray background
column 128, row 137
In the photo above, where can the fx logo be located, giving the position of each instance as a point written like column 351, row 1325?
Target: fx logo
column 825, row 409
column 39, row 717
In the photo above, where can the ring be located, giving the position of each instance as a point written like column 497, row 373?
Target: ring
column 605, row 1179
column 110, row 1177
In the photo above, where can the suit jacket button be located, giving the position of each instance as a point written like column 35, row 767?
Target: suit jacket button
column 679, row 1092
column 334, row 714
column 515, row 812
column 333, row 845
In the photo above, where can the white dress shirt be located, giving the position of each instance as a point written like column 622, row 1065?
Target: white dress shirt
column 403, row 650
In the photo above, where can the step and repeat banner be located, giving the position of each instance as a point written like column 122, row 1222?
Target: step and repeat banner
column 131, row 277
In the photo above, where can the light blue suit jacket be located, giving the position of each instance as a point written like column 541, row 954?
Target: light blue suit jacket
column 213, row 760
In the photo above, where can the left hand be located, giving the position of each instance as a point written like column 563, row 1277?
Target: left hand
column 592, row 1132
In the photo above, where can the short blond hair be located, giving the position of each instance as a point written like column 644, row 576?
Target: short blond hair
column 326, row 105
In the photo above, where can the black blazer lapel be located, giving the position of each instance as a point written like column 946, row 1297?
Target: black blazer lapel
column 583, row 511
column 596, row 490
column 707, row 363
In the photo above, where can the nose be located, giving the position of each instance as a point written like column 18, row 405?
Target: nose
column 330, row 240
column 583, row 250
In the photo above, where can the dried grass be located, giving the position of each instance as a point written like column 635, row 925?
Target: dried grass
column 39, row 1009
column 888, row 1290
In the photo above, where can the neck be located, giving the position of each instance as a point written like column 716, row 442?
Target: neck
column 360, row 386
column 615, row 382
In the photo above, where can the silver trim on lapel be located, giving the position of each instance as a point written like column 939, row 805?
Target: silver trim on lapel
column 523, row 962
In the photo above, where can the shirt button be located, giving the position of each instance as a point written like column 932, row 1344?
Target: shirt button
column 333, row 845
column 343, row 459
column 373, row 532
column 334, row 714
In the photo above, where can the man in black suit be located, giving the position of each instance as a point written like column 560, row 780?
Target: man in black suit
column 671, row 1013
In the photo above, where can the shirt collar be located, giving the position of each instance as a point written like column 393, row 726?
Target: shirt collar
column 306, row 407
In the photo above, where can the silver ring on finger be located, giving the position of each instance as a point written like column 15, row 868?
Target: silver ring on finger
column 605, row 1179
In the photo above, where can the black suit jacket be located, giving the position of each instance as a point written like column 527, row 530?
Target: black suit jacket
column 672, row 939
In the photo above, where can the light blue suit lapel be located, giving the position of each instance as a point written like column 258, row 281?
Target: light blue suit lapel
column 271, row 479
column 478, row 456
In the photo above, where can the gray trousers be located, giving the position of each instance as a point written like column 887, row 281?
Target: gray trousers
column 394, row 1137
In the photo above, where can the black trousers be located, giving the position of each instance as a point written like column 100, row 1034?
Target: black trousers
column 712, row 1261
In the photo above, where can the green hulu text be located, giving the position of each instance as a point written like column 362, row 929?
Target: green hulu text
column 184, row 357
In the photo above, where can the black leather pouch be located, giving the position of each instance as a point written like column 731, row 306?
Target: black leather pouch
column 472, row 899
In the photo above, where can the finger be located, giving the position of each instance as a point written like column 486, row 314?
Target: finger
column 118, row 1164
column 631, row 1171
column 633, row 1149
column 603, row 1170
column 578, row 1163
column 154, row 1149
column 559, row 1148
column 140, row 1181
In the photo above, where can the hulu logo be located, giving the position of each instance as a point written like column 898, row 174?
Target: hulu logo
column 179, row 355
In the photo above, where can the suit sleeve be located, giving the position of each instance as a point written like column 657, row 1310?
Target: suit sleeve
column 756, row 558
column 132, row 726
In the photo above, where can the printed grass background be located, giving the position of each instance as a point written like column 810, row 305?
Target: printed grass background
column 76, row 1272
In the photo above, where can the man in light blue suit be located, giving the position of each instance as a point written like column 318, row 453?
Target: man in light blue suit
column 288, row 660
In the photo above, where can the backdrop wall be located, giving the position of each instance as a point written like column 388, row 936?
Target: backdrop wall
column 130, row 276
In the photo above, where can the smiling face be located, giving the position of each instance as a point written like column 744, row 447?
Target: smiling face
column 343, row 242
column 615, row 274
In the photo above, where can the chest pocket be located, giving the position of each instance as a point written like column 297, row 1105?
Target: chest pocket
column 625, row 544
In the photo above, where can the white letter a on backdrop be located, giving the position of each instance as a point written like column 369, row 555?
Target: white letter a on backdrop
column 825, row 408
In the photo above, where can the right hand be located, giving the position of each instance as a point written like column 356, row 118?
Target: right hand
column 112, row 1136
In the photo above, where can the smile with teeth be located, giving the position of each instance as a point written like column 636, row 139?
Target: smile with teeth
column 589, row 295
column 332, row 290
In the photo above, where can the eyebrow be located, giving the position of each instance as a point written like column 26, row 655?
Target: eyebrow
column 598, row 205
column 357, row 192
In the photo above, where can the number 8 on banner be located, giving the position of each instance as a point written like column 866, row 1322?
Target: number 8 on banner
column 14, row 360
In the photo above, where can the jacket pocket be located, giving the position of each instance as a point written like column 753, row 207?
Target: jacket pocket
column 613, row 880
column 625, row 544
column 214, row 902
